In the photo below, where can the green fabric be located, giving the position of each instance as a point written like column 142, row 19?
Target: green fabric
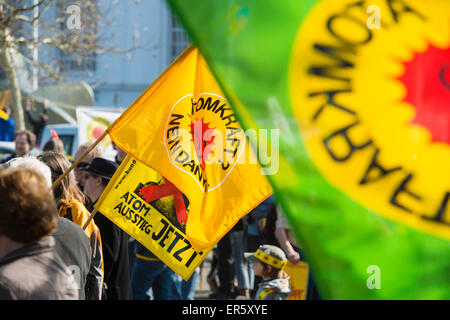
column 248, row 43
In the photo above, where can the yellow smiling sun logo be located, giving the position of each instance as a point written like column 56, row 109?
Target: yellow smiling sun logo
column 373, row 105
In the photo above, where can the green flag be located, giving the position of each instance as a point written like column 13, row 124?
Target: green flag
column 357, row 92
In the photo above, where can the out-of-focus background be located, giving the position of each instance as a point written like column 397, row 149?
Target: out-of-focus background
column 85, row 61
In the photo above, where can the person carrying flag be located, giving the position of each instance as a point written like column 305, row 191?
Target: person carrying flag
column 114, row 239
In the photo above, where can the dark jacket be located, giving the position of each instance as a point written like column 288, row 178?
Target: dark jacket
column 73, row 246
column 35, row 272
column 115, row 257
column 38, row 124
column 6, row 158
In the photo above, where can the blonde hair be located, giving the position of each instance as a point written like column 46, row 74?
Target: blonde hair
column 67, row 188
column 97, row 152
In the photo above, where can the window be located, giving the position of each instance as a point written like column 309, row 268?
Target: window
column 85, row 62
column 77, row 59
column 179, row 38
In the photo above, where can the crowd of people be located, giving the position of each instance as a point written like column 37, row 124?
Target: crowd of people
column 49, row 249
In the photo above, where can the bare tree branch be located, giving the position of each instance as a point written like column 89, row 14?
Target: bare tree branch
column 60, row 47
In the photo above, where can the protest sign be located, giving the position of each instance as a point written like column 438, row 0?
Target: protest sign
column 154, row 224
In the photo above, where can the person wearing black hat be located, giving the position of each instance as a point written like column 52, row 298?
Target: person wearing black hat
column 98, row 172
column 114, row 239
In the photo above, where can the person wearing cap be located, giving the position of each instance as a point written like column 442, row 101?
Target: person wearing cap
column 115, row 240
column 268, row 263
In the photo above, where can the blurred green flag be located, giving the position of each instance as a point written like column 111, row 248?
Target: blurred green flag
column 358, row 93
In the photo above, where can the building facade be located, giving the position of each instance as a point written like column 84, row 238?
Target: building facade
column 149, row 38
column 120, row 78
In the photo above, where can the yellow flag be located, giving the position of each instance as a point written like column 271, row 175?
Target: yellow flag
column 152, row 223
column 184, row 128
column 3, row 115
column 5, row 100
column 298, row 279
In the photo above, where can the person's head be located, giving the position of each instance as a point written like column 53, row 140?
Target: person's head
column 98, row 174
column 96, row 152
column 7, row 110
column 54, row 144
column 28, row 210
column 268, row 262
column 120, row 153
column 67, row 189
column 31, row 164
column 24, row 142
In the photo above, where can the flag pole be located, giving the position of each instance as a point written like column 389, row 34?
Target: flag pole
column 57, row 181
column 89, row 219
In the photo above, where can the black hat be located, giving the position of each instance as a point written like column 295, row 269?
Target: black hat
column 101, row 167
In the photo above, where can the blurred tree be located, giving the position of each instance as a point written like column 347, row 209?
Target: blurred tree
column 72, row 33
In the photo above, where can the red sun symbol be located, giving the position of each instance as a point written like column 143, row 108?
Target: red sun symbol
column 97, row 132
column 203, row 140
column 427, row 82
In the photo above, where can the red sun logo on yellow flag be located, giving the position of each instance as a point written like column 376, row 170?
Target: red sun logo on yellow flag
column 373, row 105
column 427, row 83
column 183, row 128
column 202, row 144
column 204, row 139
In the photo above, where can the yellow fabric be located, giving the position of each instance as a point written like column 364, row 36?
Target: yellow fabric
column 153, row 224
column 140, row 256
column 157, row 130
column 3, row 115
column 264, row 293
column 79, row 216
column 274, row 262
column 298, row 279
